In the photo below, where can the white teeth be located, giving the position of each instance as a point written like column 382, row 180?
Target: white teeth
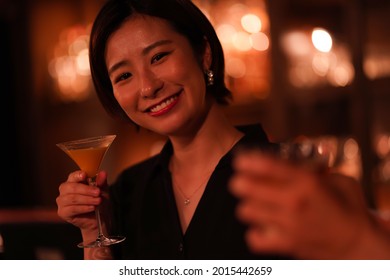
column 163, row 104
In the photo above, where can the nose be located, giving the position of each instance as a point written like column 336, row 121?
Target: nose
column 150, row 84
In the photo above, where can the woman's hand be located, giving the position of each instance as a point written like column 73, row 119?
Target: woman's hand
column 303, row 213
column 77, row 200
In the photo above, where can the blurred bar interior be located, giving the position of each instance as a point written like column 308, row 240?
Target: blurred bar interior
column 300, row 67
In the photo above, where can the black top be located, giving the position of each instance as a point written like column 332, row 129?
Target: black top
column 145, row 212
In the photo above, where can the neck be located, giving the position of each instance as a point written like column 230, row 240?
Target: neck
column 205, row 146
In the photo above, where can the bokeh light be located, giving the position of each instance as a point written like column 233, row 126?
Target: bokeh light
column 69, row 66
column 322, row 40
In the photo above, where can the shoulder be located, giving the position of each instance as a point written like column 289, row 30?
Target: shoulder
column 135, row 177
column 138, row 171
column 131, row 182
column 254, row 136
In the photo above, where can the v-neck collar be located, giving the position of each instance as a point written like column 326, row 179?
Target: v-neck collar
column 216, row 184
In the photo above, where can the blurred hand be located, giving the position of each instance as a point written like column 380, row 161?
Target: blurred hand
column 77, row 200
column 295, row 211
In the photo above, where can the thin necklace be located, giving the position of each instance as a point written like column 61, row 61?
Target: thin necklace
column 187, row 198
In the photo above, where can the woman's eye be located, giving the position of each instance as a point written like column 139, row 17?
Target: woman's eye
column 159, row 56
column 122, row 77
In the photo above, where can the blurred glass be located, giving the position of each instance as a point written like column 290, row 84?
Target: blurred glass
column 327, row 152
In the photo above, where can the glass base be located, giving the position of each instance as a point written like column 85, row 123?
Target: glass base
column 102, row 241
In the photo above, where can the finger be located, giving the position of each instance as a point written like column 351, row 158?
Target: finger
column 73, row 211
column 345, row 189
column 262, row 170
column 259, row 214
column 250, row 162
column 76, row 199
column 257, row 161
column 78, row 188
column 101, row 180
column 261, row 191
column 265, row 165
column 77, row 176
column 77, row 183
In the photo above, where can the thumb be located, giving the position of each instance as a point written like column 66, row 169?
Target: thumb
column 347, row 190
column 101, row 180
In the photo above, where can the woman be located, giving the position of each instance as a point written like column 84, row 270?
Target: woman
column 160, row 65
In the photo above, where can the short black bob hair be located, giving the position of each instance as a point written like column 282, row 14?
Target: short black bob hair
column 183, row 15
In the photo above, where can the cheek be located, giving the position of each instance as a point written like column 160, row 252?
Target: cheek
column 128, row 102
column 193, row 73
column 183, row 68
column 190, row 75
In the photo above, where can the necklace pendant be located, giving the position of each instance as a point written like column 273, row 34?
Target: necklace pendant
column 186, row 202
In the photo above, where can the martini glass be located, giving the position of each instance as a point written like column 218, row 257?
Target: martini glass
column 88, row 153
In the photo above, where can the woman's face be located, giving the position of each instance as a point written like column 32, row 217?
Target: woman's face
column 156, row 77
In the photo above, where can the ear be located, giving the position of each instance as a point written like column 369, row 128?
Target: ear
column 207, row 56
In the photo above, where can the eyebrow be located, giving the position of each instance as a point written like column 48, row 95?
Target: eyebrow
column 146, row 50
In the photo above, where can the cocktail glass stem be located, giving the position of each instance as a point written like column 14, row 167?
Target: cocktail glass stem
column 101, row 240
column 92, row 182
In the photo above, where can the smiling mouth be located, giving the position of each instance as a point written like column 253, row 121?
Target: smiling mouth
column 164, row 106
